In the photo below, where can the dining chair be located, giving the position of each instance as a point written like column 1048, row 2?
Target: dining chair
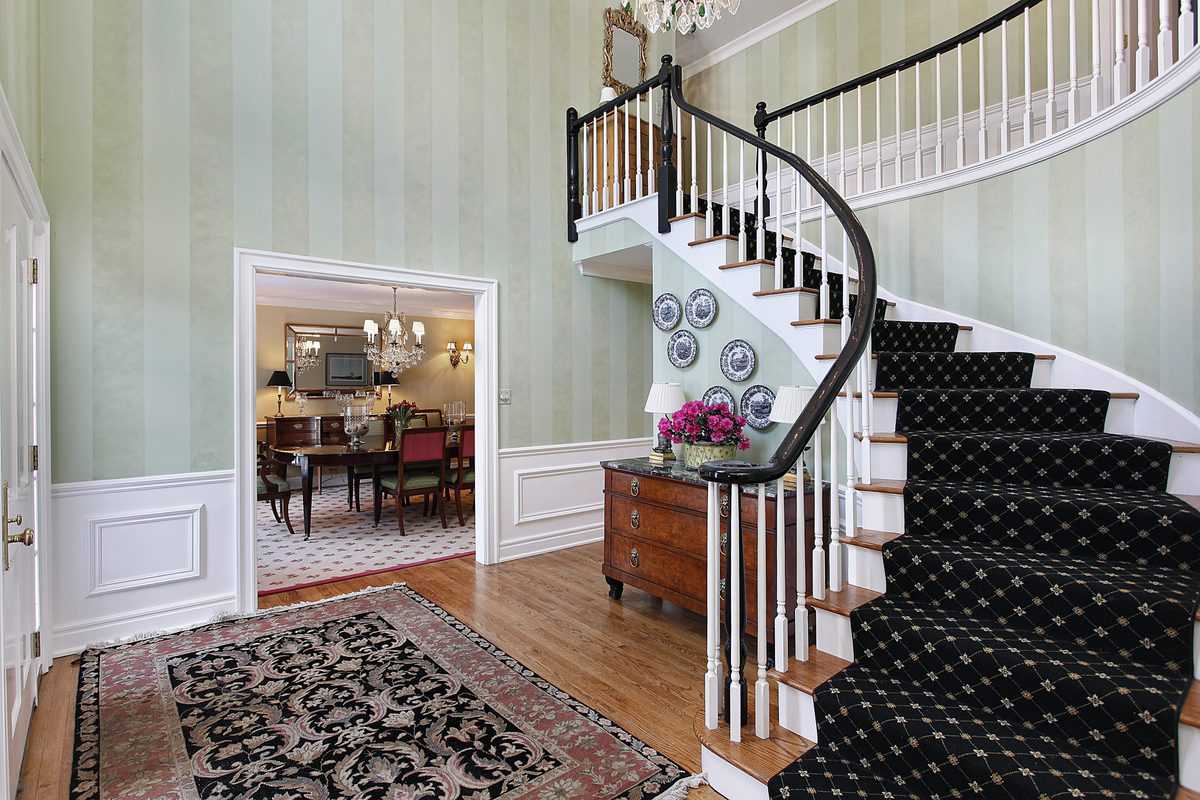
column 377, row 426
column 276, row 488
column 464, row 471
column 420, row 472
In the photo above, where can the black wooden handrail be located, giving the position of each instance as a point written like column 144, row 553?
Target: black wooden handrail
column 991, row 23
column 798, row 436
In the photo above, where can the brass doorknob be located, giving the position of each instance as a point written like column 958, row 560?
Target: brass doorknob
column 25, row 537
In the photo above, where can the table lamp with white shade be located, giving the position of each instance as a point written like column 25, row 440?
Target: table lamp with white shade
column 789, row 402
column 664, row 398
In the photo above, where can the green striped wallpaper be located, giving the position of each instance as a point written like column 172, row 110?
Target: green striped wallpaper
column 1096, row 250
column 424, row 134
column 19, row 72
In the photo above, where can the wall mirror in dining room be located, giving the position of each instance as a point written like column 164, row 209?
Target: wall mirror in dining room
column 365, row 392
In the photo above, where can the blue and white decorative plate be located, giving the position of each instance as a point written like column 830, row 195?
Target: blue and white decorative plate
column 718, row 394
column 738, row 360
column 667, row 311
column 757, row 402
column 682, row 349
column 700, row 308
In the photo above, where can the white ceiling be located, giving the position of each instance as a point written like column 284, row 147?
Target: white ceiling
column 751, row 14
column 369, row 298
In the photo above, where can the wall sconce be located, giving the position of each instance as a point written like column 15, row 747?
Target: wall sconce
column 459, row 356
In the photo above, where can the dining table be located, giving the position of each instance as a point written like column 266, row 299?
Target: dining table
column 376, row 450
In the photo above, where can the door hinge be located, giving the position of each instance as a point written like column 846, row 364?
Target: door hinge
column 33, row 457
column 33, row 265
column 35, row 642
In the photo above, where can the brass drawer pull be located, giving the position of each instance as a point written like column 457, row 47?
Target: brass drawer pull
column 634, row 557
column 635, row 520
column 634, row 487
column 725, row 506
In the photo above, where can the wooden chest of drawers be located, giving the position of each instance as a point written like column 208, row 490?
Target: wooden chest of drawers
column 655, row 531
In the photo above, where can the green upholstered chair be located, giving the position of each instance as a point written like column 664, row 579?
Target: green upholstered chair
column 462, row 476
column 275, row 487
column 420, row 472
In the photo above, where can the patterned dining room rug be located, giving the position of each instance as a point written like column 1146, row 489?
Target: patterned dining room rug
column 378, row 695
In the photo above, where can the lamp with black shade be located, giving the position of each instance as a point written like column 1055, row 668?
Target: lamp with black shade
column 387, row 379
column 279, row 379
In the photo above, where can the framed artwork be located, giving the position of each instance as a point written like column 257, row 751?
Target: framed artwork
column 347, row 369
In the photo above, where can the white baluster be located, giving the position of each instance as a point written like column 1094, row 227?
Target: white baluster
column 899, row 137
column 1027, row 124
column 858, row 188
column 779, row 207
column 637, row 135
column 1120, row 68
column 962, row 125
column 679, row 160
column 1095, row 83
column 1050, row 67
column 708, row 209
column 760, row 203
column 937, row 75
column 818, row 557
column 834, row 568
column 841, row 181
column 1005, row 132
column 604, row 175
column 801, row 648
column 741, row 200
column 1072, row 54
column 798, row 259
column 867, row 409
column 616, row 164
column 823, row 297
column 918, row 157
column 982, row 103
column 626, row 178
column 584, row 192
column 695, row 180
column 712, row 675
column 1187, row 27
column 1166, row 42
column 878, row 136
column 735, row 623
column 653, row 156
column 808, row 158
column 781, row 598
column 1143, row 48
column 762, row 689
column 725, row 215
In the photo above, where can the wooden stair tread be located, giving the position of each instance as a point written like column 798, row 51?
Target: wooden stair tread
column 690, row 215
column 788, row 290
column 761, row 758
column 845, row 601
column 718, row 238
column 808, row 676
column 1187, row 794
column 750, row 263
column 878, row 395
column 884, row 485
column 831, row 356
column 1190, row 715
column 871, row 539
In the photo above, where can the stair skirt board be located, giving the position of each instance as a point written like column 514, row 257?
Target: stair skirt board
column 728, row 780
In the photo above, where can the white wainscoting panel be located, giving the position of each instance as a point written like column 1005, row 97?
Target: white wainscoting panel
column 141, row 555
column 552, row 497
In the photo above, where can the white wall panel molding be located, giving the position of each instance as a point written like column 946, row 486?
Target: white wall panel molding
column 145, row 548
column 115, row 485
column 557, row 494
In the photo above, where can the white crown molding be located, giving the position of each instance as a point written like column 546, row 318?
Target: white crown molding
column 806, row 8
column 283, row 301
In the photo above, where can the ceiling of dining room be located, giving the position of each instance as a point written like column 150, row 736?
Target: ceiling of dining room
column 369, row 298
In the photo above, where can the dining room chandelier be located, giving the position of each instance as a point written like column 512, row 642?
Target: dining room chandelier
column 388, row 346
column 308, row 353
column 684, row 16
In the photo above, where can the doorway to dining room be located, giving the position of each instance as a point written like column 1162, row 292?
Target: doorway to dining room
column 366, row 433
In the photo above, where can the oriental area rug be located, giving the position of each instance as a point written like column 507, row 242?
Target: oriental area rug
column 379, row 695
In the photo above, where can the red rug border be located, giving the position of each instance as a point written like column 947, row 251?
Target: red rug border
column 367, row 573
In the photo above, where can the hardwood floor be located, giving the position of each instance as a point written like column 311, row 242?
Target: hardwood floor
column 638, row 661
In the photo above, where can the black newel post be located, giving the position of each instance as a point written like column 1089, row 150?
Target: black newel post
column 666, row 168
column 762, row 201
column 574, row 210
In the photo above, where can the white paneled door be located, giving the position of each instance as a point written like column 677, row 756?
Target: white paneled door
column 18, row 436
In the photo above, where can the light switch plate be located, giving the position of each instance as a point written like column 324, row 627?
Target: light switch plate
column 506, row 397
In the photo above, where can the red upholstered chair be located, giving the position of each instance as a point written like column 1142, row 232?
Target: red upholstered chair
column 463, row 475
column 420, row 472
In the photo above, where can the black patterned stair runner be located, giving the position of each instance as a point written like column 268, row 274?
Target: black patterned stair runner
column 1035, row 640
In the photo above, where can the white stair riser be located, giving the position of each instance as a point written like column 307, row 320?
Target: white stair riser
column 797, row 712
column 833, row 634
column 865, row 568
column 730, row 781
column 882, row 511
column 890, row 462
column 1189, row 757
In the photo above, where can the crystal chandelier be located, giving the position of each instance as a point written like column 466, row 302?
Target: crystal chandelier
column 684, row 15
column 388, row 347
column 308, row 353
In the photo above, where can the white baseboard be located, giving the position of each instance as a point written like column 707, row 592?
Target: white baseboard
column 138, row 556
column 552, row 497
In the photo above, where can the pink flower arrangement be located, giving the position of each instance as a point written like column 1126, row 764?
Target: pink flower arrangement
column 697, row 423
